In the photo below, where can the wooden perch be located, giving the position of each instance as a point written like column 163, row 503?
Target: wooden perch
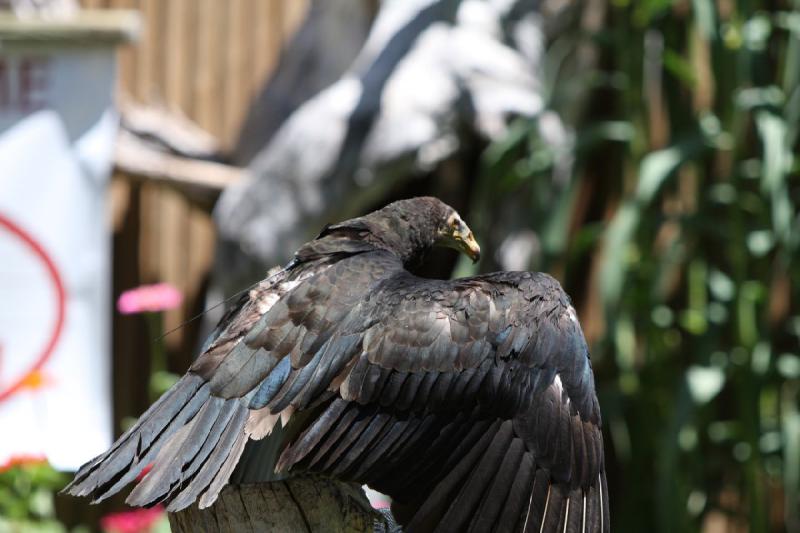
column 159, row 146
column 170, row 131
column 298, row 504
column 81, row 27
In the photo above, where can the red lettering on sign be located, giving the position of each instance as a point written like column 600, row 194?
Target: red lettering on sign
column 23, row 83
column 32, row 83
column 5, row 85
column 60, row 304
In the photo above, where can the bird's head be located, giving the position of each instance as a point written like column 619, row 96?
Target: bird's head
column 455, row 233
column 417, row 224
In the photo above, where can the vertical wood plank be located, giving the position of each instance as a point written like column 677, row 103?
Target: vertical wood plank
column 130, row 349
column 173, row 248
column 91, row 4
column 200, row 257
column 149, row 232
column 268, row 31
column 146, row 52
column 179, row 15
column 208, row 76
column 234, row 67
column 247, row 41
column 126, row 55
column 159, row 23
column 293, row 15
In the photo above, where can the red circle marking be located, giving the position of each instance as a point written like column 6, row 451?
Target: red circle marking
column 58, row 284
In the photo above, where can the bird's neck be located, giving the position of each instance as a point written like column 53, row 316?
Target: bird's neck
column 408, row 242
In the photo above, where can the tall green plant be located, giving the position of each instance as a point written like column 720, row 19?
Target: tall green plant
column 676, row 229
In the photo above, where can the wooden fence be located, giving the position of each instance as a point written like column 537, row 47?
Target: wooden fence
column 206, row 59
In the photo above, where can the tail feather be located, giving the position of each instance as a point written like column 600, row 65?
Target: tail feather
column 88, row 468
column 605, row 516
column 107, row 473
column 431, row 512
column 519, row 495
column 224, row 474
column 131, row 467
column 497, row 485
column 592, row 504
column 561, row 509
column 469, row 498
column 552, row 511
column 181, row 450
column 193, row 440
column 205, row 475
column 197, row 462
column 576, row 512
column 497, row 494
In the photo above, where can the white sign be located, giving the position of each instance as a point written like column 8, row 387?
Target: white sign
column 57, row 130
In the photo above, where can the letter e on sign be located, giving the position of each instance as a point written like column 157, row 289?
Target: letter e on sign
column 24, row 81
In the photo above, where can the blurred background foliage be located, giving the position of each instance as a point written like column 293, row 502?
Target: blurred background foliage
column 667, row 203
column 26, row 496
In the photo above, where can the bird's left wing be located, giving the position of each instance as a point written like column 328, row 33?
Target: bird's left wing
column 261, row 352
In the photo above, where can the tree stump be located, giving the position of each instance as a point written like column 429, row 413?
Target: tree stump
column 303, row 504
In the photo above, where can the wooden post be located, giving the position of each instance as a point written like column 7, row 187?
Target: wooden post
column 306, row 504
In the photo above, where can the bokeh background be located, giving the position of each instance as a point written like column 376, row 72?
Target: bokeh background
column 645, row 153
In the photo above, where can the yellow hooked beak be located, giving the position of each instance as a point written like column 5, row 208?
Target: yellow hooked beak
column 460, row 237
column 468, row 245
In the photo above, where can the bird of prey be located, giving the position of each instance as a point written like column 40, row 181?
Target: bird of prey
column 471, row 402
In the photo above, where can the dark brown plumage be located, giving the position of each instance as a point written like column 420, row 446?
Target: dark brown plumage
column 471, row 402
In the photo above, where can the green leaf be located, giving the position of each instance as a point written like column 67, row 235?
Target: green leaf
column 760, row 242
column 704, row 383
column 788, row 366
column 721, row 285
column 656, row 167
column 788, row 20
column 654, row 171
column 760, row 358
column 756, row 32
column 679, row 67
column 754, row 97
column 777, row 157
column 777, row 165
column 614, row 268
column 517, row 133
column 555, row 232
column 161, row 381
column 705, row 18
column 750, row 294
column 790, row 428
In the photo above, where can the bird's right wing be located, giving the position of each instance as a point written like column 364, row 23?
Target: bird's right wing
column 471, row 402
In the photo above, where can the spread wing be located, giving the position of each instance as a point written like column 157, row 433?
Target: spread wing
column 470, row 402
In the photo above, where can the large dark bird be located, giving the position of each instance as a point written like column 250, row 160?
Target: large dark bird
column 470, row 402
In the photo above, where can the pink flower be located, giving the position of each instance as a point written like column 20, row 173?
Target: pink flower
column 22, row 460
column 136, row 521
column 158, row 297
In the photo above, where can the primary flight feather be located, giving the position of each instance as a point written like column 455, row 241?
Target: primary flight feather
column 470, row 402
